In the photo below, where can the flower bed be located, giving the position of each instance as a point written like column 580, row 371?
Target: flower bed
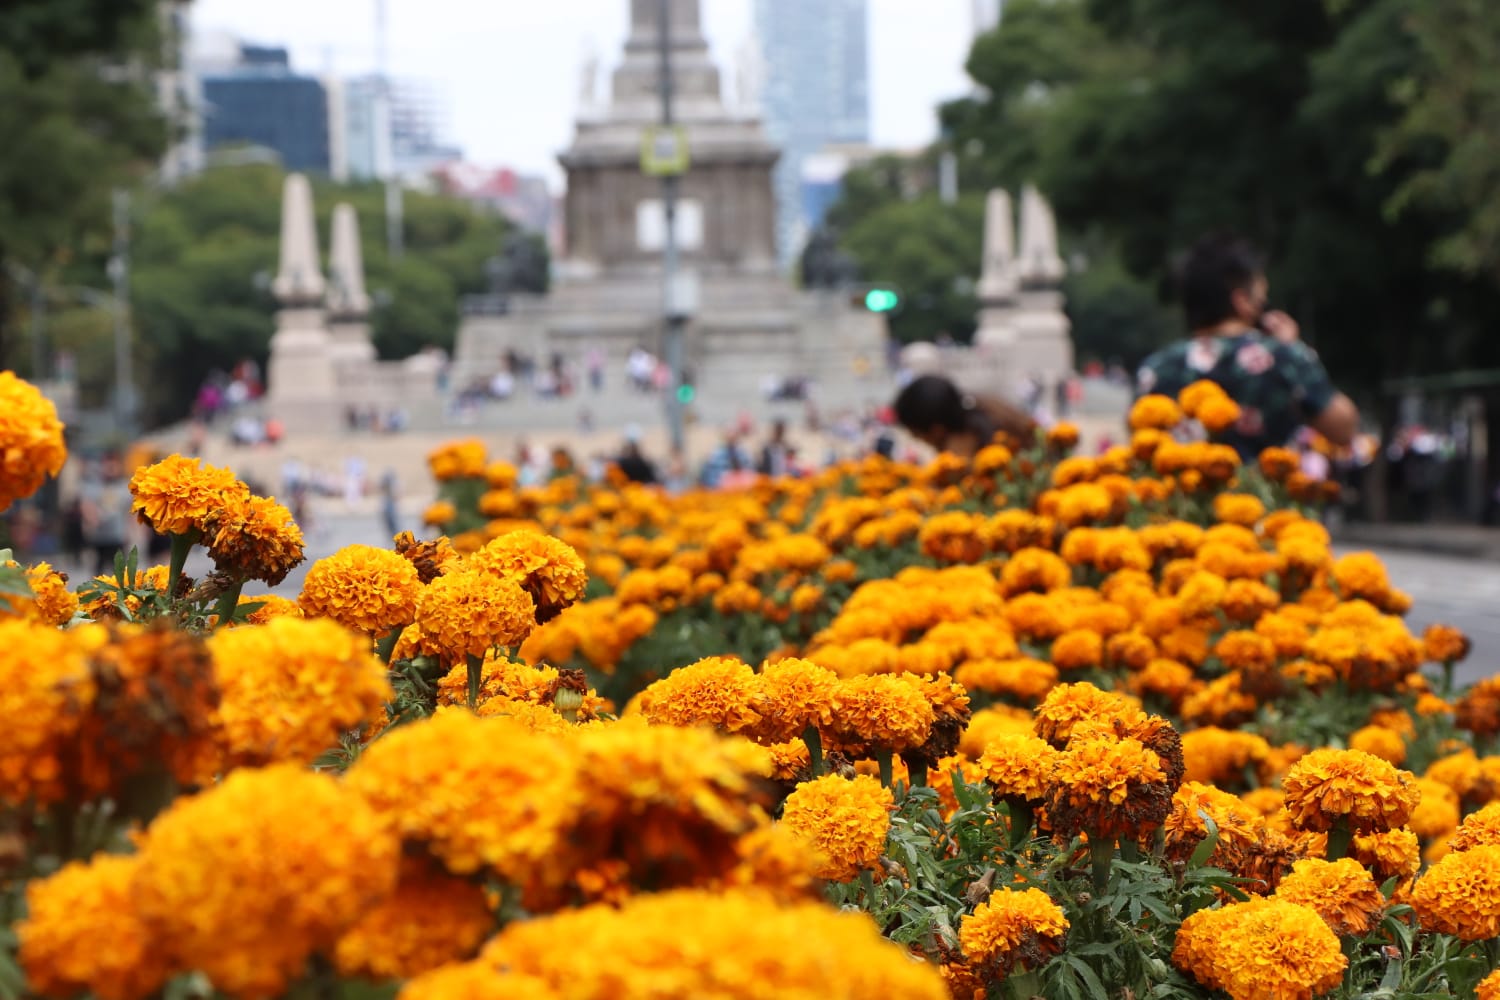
column 1054, row 725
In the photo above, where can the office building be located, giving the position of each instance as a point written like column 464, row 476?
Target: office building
column 260, row 101
column 814, row 93
column 383, row 129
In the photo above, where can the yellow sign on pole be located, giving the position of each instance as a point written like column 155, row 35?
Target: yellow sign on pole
column 664, row 151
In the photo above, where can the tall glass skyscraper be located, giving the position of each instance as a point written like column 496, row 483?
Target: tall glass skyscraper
column 816, row 92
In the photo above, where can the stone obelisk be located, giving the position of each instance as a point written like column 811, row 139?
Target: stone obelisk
column 999, row 285
column 348, row 303
column 300, row 376
column 1044, row 345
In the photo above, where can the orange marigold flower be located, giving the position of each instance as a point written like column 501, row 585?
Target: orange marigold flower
column 177, row 495
column 1341, row 892
column 547, row 569
column 1391, row 854
column 1238, row 508
column 1108, row 787
column 845, row 821
column 791, row 695
column 1445, row 644
column 362, row 588
column 1221, row 756
column 880, row 712
column 48, row 689
column 440, row 513
column 430, row 920
column 954, row 537
column 1278, row 463
column 253, row 538
column 31, row 439
column 435, row 782
column 50, row 603
column 466, row 613
column 1381, row 742
column 1155, row 412
column 1018, row 766
column 1062, row 436
column 245, row 881
column 291, row 687
column 1077, row 649
column 1361, row 574
column 458, row 459
column 1022, row 678
column 1068, row 704
column 1478, row 710
column 1034, row 570
column 1460, row 895
column 1013, row 928
column 1328, row 787
column 1479, row 829
column 717, row 691
column 70, row 914
column 1263, row 949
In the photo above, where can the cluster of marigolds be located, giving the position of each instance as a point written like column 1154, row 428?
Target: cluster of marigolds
column 606, row 743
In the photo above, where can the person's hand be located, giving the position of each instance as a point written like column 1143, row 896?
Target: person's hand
column 1281, row 326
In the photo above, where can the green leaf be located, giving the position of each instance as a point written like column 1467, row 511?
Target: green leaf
column 1203, row 851
column 1090, row 979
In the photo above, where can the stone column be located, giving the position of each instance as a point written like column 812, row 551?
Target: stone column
column 348, row 305
column 999, row 284
column 300, row 378
column 1044, row 341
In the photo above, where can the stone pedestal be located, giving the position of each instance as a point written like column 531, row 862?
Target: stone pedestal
column 349, row 342
column 300, row 378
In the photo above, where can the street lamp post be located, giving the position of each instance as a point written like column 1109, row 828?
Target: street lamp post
column 673, row 312
column 119, row 272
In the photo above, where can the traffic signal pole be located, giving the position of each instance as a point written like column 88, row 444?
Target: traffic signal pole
column 672, row 313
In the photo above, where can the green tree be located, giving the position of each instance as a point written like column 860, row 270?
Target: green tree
column 206, row 250
column 1453, row 103
column 931, row 252
column 1115, row 315
column 77, row 119
column 1193, row 115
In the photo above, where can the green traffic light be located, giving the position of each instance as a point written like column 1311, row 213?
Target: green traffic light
column 685, row 393
column 881, row 300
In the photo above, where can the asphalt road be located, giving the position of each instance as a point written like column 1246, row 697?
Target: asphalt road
column 1454, row 591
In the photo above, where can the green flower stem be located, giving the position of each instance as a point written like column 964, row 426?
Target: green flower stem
column 1023, row 984
column 1338, row 840
column 814, row 750
column 1021, row 818
column 386, row 645
column 887, row 771
column 916, row 774
column 227, row 603
column 476, row 674
column 1102, row 852
column 181, row 545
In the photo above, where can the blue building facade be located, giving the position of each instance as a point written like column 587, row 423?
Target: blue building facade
column 816, row 92
column 262, row 102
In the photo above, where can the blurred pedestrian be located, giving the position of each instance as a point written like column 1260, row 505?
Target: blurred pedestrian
column 935, row 411
column 1253, row 353
column 776, row 453
column 104, row 513
column 635, row 466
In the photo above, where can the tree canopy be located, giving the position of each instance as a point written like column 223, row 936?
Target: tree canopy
column 77, row 119
column 1352, row 140
column 206, row 250
column 1150, row 122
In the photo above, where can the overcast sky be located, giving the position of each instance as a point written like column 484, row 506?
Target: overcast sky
column 509, row 69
